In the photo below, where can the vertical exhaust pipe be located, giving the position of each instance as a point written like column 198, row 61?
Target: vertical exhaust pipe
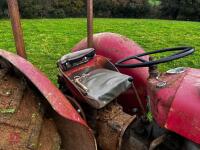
column 90, row 23
column 16, row 27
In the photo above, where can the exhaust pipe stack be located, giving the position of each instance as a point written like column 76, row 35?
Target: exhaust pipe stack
column 16, row 27
column 90, row 23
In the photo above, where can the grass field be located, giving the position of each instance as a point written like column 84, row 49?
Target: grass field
column 48, row 39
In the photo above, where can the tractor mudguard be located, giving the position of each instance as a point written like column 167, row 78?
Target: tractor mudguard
column 115, row 47
column 73, row 129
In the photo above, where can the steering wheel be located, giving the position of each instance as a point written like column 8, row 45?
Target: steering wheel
column 182, row 52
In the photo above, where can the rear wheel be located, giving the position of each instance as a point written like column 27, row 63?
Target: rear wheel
column 23, row 124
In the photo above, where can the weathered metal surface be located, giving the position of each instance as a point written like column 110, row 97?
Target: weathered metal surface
column 115, row 47
column 68, row 121
column 58, row 101
column 90, row 23
column 111, row 124
column 74, row 136
column 153, row 70
column 183, row 117
column 23, row 124
column 16, row 26
column 77, row 106
column 161, row 91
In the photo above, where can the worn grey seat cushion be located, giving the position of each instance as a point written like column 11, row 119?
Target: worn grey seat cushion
column 105, row 85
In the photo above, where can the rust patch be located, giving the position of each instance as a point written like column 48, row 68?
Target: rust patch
column 11, row 92
column 21, row 117
column 49, row 138
column 111, row 126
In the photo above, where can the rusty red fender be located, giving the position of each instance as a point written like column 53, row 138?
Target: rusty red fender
column 52, row 94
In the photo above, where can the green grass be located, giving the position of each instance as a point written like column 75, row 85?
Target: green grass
column 48, row 39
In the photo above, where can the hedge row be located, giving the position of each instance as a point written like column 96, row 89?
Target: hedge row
column 170, row 9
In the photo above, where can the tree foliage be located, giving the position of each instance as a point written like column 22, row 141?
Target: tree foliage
column 77, row 8
column 180, row 9
column 3, row 8
column 171, row 9
column 121, row 8
column 51, row 8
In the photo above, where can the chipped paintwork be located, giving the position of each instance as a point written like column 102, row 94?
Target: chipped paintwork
column 14, row 138
column 161, row 98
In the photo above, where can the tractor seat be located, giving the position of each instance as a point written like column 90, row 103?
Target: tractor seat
column 103, row 86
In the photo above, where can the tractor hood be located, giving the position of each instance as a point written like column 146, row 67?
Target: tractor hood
column 175, row 101
column 183, row 117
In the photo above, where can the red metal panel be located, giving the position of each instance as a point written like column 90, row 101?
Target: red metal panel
column 55, row 98
column 161, row 98
column 184, row 114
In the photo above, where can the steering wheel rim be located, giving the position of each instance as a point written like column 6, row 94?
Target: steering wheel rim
column 183, row 52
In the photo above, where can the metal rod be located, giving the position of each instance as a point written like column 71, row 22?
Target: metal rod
column 90, row 23
column 138, row 98
column 16, row 26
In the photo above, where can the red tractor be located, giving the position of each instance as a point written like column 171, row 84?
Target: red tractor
column 104, row 95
